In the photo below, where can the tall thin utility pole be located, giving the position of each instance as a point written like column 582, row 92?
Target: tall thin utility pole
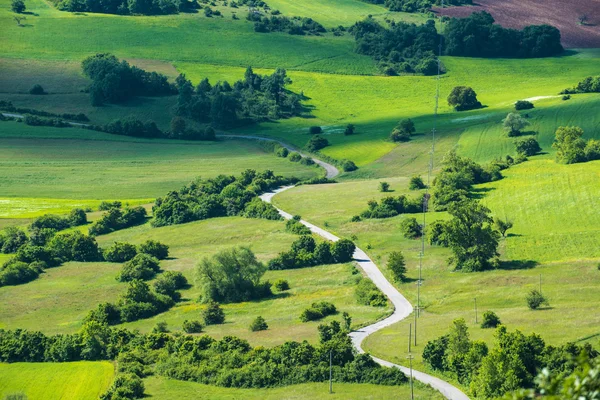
column 416, row 327
column 409, row 336
column 412, row 393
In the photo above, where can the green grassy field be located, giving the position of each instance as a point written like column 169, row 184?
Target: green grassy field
column 69, row 163
column 50, row 381
column 63, row 295
column 169, row 389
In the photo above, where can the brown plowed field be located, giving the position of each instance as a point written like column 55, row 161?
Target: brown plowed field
column 563, row 14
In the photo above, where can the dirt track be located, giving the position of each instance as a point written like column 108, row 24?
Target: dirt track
column 563, row 14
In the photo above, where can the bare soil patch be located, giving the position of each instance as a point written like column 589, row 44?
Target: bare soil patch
column 559, row 13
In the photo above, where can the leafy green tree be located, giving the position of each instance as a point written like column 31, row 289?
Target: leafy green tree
column 347, row 321
column 259, row 324
column 463, row 98
column 523, row 105
column 316, row 143
column 281, row 285
column 120, row 252
column 349, row 166
column 37, row 89
column 17, row 6
column 528, row 146
column 470, row 236
column 384, row 187
column 535, row 299
column 213, row 314
column 155, row 249
column 11, row 239
column 570, row 147
column 178, row 126
column 514, row 123
column 397, row 265
column 410, row 228
column 231, row 275
column 142, row 266
column 592, row 150
column 343, row 250
column 490, row 320
column 502, row 226
column 192, row 326
column 416, row 183
column 315, row 130
column 77, row 217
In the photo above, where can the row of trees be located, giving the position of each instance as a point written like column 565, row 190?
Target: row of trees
column 280, row 23
column 255, row 98
column 591, row 84
column 513, row 362
column 117, row 219
column 128, row 7
column 217, row 197
column 8, row 106
column 391, row 206
column 417, row 5
column 572, row 148
column 305, row 252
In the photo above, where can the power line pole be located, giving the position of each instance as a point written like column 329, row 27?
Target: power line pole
column 409, row 336
column 330, row 371
column 412, row 393
column 416, row 326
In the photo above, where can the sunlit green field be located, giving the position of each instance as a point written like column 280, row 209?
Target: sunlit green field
column 49, row 381
column 169, row 389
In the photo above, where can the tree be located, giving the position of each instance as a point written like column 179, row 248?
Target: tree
column 347, row 321
column 120, row 252
column 343, row 250
column 514, row 123
column 349, row 166
column 177, row 126
column 213, row 314
column 232, row 275
column 463, row 98
column 17, row 6
column 349, row 130
column 470, row 236
column 155, row 249
column 528, row 146
column 416, row 183
column 502, row 226
column 191, row 326
column 142, row 266
column 535, row 299
column 570, row 147
column 18, row 19
column 259, row 324
column 37, row 89
column 316, row 143
column 403, row 131
column 281, row 285
column 384, row 187
column 397, row 265
column 523, row 105
column 77, row 217
column 410, row 228
column 490, row 320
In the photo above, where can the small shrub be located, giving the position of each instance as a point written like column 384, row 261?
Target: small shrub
column 295, row 226
column 120, row 252
column 384, row 187
column 155, row 249
column 397, row 265
column 490, row 320
column 259, row 324
column 282, row 152
column 281, row 285
column 294, row 157
column 160, row 327
column 315, row 130
column 77, row 217
column 368, row 294
column 307, row 161
column 356, row 218
column 410, row 228
column 349, row 166
column 523, row 105
column 416, row 183
column 527, row 146
column 317, row 311
column 566, row 97
column 535, row 299
column 317, row 143
column 349, row 130
column 213, row 314
column 192, row 326
column 37, row 89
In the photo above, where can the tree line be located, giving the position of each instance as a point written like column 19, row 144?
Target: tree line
column 128, row 7
column 412, row 6
column 280, row 23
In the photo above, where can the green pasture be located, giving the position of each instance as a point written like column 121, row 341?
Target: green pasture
column 63, row 295
column 76, row 164
column 170, row 389
column 82, row 380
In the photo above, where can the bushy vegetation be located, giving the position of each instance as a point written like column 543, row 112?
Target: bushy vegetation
column 527, row 146
column 478, row 36
column 512, row 363
column 142, row 267
column 591, row 84
column 280, row 23
column 403, row 131
column 523, row 105
column 391, row 206
column 255, row 98
column 154, row 248
column 281, row 285
column 410, row 228
column 259, row 324
column 120, row 252
column 8, row 106
column 368, row 294
column 416, row 183
column 115, row 219
column 218, row 197
column 34, row 120
column 412, row 6
column 305, row 252
column 463, row 98
column 232, row 276
column 37, row 89
column 535, row 299
column 384, row 187
column 514, row 123
column 191, row 326
column 115, row 81
column 129, row 7
column 397, row 265
column 296, row 227
column 490, row 320
column 317, row 143
column 318, row 311
column 213, row 314
column 572, row 148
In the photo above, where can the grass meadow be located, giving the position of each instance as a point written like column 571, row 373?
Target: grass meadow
column 82, row 380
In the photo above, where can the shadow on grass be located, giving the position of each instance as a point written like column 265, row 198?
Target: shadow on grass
column 517, row 264
column 480, row 193
column 513, row 235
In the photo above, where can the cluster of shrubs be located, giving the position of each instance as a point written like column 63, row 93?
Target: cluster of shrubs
column 254, row 98
column 115, row 219
column 391, row 206
column 572, row 148
column 122, row 252
column 34, row 120
column 141, row 266
column 283, row 152
column 115, row 81
column 410, row 228
column 368, row 294
column 523, row 105
column 131, row 126
column 412, row 6
column 403, row 131
column 305, row 252
column 296, row 227
column 490, row 373
column 591, row 84
column 318, row 311
column 280, row 23
column 316, row 143
column 217, row 197
column 8, row 106
column 128, row 7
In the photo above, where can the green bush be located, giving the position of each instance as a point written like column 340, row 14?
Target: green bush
column 107, row 205
column 490, row 320
column 142, row 266
column 259, row 324
column 160, row 327
column 120, row 252
column 296, row 227
column 213, row 314
column 410, row 228
column 527, row 146
column 169, row 282
column 416, row 183
column 349, row 130
column 343, row 250
column 37, row 89
column 192, row 326
column 11, row 239
column 317, row 143
column 154, row 248
column 397, row 266
column 77, row 217
column 368, row 294
column 125, row 386
column 18, row 272
column 307, row 161
column 349, row 166
column 281, row 285
column 261, row 209
column 523, row 105
column 294, row 157
column 384, row 187
column 282, row 152
column 314, row 130
column 317, row 311
column 535, row 299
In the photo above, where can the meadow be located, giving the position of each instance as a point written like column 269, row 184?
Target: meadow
column 50, row 381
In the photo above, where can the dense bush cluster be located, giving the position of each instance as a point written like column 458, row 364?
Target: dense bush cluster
column 142, row 267
column 296, row 227
column 305, row 252
column 410, row 228
column 115, row 219
column 463, row 98
column 391, row 206
column 318, row 311
column 403, row 131
column 232, row 276
column 478, row 36
column 280, row 23
column 119, row 252
column 127, row 7
column 591, row 84
column 218, row 197
column 513, row 363
column 316, row 143
column 368, row 294
column 523, row 105
column 254, row 98
column 115, row 81
column 417, row 5
column 8, row 106
column 572, row 148
column 401, row 47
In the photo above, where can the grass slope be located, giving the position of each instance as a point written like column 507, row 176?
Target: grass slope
column 169, row 389
column 49, row 381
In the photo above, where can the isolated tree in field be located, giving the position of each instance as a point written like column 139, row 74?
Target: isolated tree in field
column 513, row 124
column 19, row 19
column 384, row 187
column 317, row 143
column 347, row 321
column 397, row 265
column 403, row 131
column 523, row 105
column 37, row 89
column 213, row 314
column 416, row 183
column 535, row 299
column 232, row 275
column 527, row 146
column 259, row 324
column 463, row 98
column 502, row 226
column 570, row 147
column 490, row 320
column 470, row 236
column 583, row 18
column 410, row 228
column 349, row 130
column 17, row 6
